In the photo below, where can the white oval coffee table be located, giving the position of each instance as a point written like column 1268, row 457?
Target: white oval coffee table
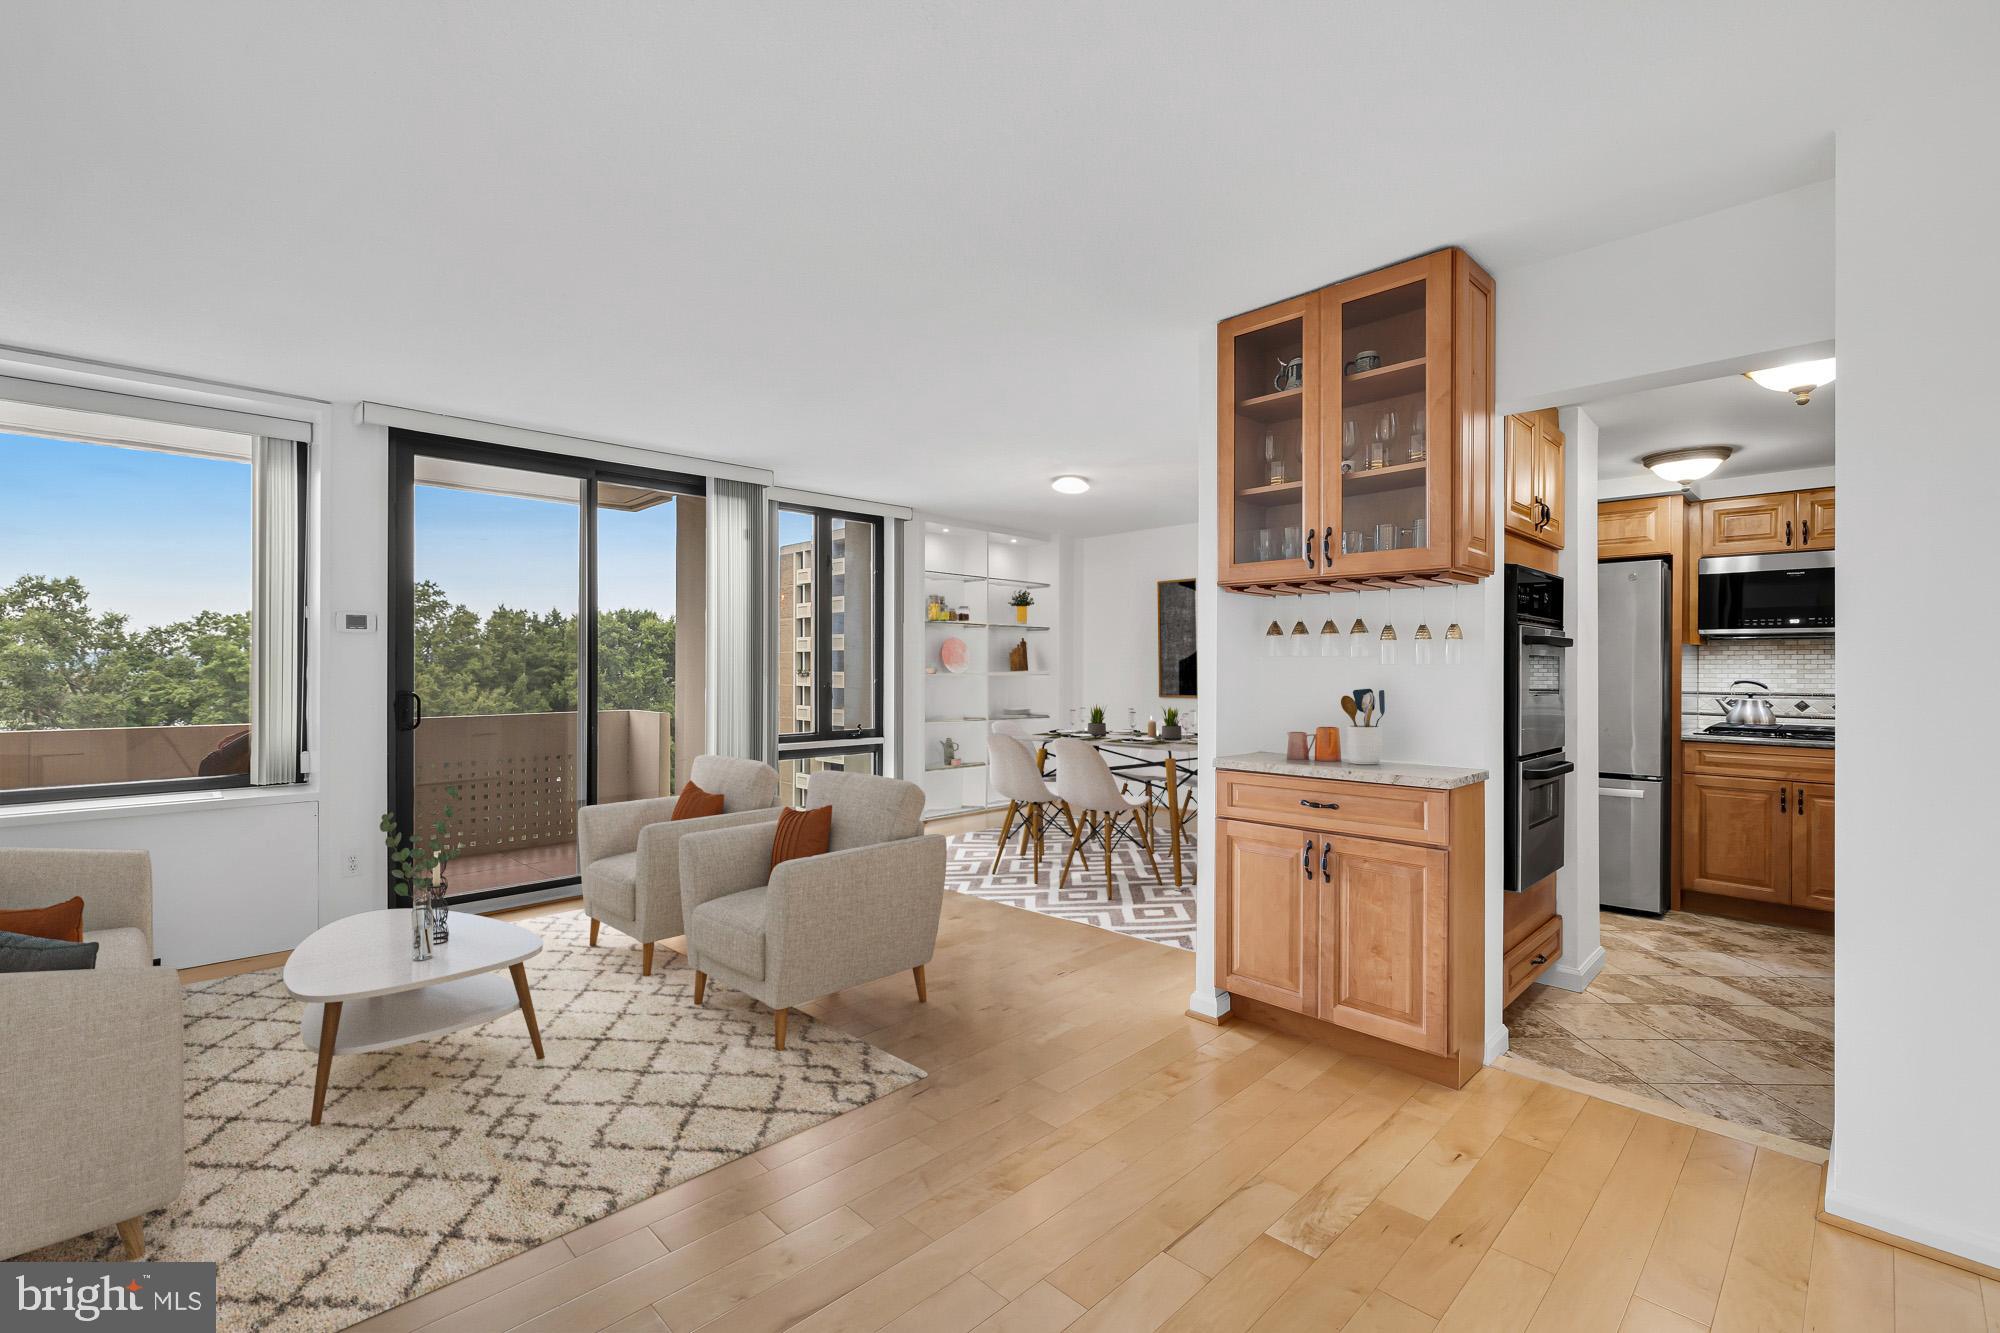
column 364, row 993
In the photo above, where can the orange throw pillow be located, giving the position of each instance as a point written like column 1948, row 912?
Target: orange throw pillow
column 697, row 804
column 60, row 921
column 802, row 833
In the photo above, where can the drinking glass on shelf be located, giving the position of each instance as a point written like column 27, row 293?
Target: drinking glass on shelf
column 1289, row 546
column 1385, row 536
column 1385, row 433
column 1417, row 437
column 1265, row 545
column 1347, row 440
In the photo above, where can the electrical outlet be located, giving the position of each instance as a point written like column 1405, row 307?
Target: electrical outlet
column 350, row 865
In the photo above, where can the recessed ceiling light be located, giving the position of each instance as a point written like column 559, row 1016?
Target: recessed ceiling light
column 1798, row 380
column 1070, row 485
column 944, row 529
column 1015, row 540
column 1685, row 465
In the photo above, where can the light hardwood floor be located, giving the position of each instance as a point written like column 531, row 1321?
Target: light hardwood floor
column 1084, row 1156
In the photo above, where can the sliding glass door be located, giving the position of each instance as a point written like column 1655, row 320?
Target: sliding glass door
column 828, row 643
column 536, row 603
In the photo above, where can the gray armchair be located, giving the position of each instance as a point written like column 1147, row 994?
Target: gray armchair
column 91, row 1101
column 817, row 924
column 630, row 851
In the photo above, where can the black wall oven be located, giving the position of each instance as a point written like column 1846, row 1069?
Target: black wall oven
column 1766, row 596
column 1538, row 678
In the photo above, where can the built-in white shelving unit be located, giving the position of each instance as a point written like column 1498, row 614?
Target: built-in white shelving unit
column 979, row 571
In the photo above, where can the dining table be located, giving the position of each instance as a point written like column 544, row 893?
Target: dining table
column 1128, row 750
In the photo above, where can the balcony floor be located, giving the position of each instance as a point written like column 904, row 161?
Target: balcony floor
column 501, row 870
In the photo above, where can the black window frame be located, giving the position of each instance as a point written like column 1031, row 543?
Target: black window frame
column 792, row 745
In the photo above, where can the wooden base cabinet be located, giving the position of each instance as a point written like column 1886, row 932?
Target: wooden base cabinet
column 1757, row 823
column 1378, row 937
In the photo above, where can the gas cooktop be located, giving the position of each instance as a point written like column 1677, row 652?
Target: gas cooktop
column 1779, row 732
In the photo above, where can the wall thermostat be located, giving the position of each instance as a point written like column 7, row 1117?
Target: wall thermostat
column 357, row 622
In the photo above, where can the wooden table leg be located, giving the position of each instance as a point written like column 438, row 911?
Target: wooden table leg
column 1174, row 815
column 329, row 1024
column 520, row 971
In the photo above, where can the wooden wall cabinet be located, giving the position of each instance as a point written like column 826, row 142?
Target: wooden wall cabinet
column 1357, row 905
column 1757, row 823
column 1768, row 524
column 1646, row 527
column 1355, row 433
column 1535, row 503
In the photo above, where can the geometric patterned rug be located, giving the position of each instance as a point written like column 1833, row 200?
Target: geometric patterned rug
column 441, row 1158
column 1133, row 902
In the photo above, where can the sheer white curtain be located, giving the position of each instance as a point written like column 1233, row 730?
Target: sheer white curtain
column 277, row 615
column 743, row 706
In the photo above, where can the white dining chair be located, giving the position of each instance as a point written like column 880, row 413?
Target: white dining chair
column 1016, row 777
column 1096, row 804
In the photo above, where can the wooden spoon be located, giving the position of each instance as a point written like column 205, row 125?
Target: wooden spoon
column 1347, row 706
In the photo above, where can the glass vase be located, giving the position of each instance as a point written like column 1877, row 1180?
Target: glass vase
column 420, row 923
column 440, row 913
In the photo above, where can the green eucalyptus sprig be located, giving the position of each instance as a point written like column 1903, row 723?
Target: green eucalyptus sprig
column 412, row 862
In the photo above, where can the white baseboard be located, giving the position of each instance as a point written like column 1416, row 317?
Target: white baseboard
column 1981, row 1249
column 1565, row 977
column 1496, row 1043
column 1209, row 1003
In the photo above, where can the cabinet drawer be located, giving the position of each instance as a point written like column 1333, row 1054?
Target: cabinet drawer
column 1531, row 957
column 1759, row 761
column 1362, row 809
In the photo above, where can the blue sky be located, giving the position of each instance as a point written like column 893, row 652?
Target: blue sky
column 160, row 537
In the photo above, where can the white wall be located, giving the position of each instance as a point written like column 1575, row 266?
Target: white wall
column 1917, row 991
column 1577, row 883
column 1113, row 644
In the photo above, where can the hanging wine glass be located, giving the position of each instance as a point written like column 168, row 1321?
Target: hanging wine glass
column 1301, row 641
column 1360, row 640
column 1329, row 638
column 1274, row 641
column 1387, row 644
column 1420, row 642
column 1454, row 637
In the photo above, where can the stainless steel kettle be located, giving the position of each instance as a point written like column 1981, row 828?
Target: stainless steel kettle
column 1751, row 710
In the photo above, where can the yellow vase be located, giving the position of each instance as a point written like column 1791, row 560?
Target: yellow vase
column 1021, row 615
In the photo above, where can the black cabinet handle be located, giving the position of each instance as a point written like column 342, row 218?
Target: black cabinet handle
column 1800, row 804
column 1311, row 533
column 1788, row 532
column 1538, row 960
column 1319, row 805
column 1782, row 794
column 1805, row 532
column 1326, row 549
column 1306, row 860
column 1325, row 850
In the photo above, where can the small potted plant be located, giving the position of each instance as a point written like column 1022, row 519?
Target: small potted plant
column 416, row 872
column 1170, row 725
column 1097, row 720
column 1021, row 601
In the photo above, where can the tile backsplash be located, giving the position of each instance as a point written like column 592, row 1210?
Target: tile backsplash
column 1799, row 672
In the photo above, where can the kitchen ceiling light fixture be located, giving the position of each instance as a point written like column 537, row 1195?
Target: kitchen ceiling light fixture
column 1799, row 379
column 1070, row 484
column 1685, row 465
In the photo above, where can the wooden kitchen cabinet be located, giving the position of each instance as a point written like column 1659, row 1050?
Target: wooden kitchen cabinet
column 1535, row 488
column 1816, row 519
column 1357, row 907
column 1812, row 845
column 1757, row 823
column 1376, row 463
column 1647, row 527
column 1269, row 946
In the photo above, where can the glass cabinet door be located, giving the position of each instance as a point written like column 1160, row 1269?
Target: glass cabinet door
column 1388, row 437
column 1270, row 446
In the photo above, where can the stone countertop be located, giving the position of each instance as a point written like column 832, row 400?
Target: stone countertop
column 1390, row 772
column 1782, row 742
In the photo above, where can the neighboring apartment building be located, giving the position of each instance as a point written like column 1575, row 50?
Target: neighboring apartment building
column 795, row 638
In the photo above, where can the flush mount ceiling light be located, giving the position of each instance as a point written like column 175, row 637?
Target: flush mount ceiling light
column 1070, row 485
column 1798, row 380
column 1685, row 465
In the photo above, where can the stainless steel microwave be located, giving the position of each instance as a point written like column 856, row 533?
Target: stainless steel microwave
column 1766, row 596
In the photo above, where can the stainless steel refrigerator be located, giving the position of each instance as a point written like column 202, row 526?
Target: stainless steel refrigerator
column 1635, row 726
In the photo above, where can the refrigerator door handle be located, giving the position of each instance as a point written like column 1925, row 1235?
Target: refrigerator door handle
column 1622, row 794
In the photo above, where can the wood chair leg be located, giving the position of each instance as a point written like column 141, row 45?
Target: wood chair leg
column 593, row 932
column 1027, row 820
column 781, row 1015
column 133, row 1232
column 1063, row 881
column 1040, row 818
column 1006, row 827
column 923, row 994
column 646, row 959
column 1147, row 844
column 329, row 1024
column 700, row 985
column 520, row 972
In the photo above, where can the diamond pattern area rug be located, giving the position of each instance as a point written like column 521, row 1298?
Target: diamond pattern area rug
column 441, row 1158
column 1133, row 902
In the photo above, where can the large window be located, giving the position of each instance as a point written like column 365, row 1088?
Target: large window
column 830, row 686
column 128, row 588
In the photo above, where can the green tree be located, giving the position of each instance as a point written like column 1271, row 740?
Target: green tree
column 635, row 660
column 52, row 654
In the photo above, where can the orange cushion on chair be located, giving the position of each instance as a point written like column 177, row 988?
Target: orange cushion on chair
column 802, row 833
column 59, row 921
column 696, row 803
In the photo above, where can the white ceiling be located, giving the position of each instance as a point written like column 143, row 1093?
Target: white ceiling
column 1771, row 432
column 930, row 253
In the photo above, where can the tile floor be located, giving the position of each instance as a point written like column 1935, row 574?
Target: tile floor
column 1728, row 1018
